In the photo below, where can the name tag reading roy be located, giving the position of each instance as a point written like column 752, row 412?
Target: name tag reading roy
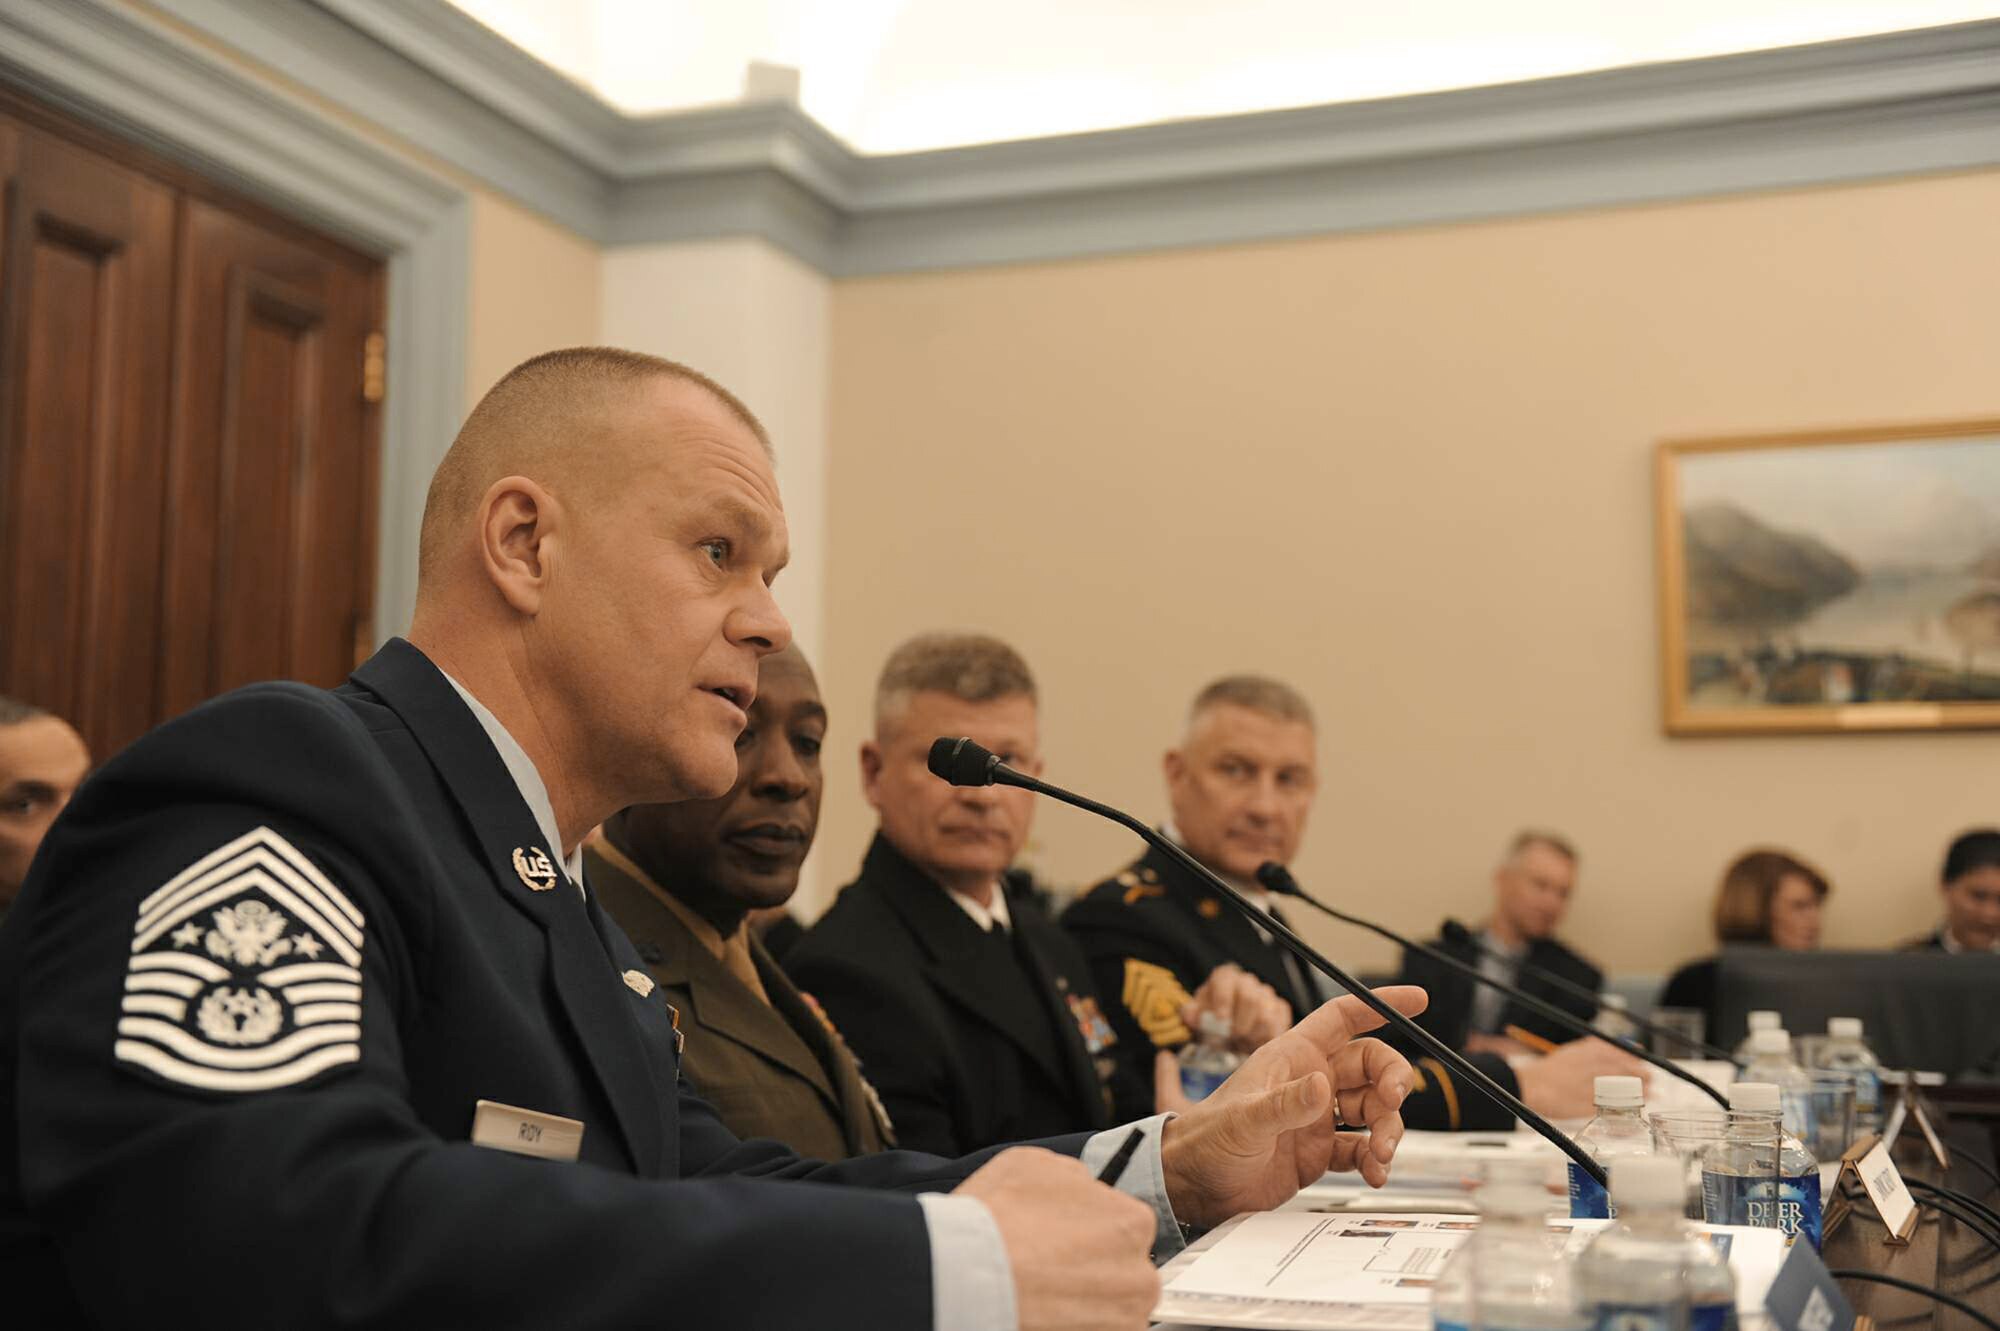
column 526, row 1132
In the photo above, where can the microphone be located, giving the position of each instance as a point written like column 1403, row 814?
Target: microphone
column 964, row 763
column 1277, row 878
column 1460, row 936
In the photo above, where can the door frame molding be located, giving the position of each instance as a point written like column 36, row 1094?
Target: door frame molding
column 143, row 80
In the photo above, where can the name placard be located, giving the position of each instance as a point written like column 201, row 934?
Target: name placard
column 526, row 1132
column 1885, row 1187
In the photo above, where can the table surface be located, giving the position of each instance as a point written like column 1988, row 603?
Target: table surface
column 1942, row 1254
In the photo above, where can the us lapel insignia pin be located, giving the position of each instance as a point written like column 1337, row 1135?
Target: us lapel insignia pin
column 639, row 982
column 534, row 867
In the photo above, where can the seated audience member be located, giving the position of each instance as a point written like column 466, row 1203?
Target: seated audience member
column 680, row 879
column 1531, row 890
column 972, row 1012
column 42, row 761
column 1971, row 882
column 1767, row 898
column 1241, row 785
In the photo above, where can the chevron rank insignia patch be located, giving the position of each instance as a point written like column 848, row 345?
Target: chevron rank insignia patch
column 245, row 973
column 1155, row 998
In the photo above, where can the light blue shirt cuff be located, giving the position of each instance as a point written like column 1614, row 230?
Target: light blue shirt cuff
column 972, row 1283
column 1144, row 1176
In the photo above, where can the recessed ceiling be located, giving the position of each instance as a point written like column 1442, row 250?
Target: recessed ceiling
column 902, row 75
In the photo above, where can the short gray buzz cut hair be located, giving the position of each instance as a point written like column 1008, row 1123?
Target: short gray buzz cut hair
column 1535, row 836
column 1259, row 693
column 972, row 667
column 13, row 711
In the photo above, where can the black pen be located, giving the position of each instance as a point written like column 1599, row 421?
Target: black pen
column 1115, row 1166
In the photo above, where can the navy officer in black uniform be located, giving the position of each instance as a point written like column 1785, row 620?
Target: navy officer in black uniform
column 1241, row 785
column 310, row 1018
column 974, row 1014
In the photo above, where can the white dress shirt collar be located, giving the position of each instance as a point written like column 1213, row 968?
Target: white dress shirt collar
column 1949, row 941
column 987, row 917
column 534, row 791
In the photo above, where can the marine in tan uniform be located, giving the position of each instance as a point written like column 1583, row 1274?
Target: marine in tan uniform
column 682, row 878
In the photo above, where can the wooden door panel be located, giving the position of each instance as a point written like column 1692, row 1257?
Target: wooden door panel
column 272, row 460
column 270, row 411
column 87, row 294
column 187, row 461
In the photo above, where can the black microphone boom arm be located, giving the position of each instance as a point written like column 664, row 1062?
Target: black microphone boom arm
column 964, row 763
column 1277, row 878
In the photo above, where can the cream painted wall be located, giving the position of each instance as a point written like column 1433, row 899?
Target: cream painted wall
column 757, row 320
column 534, row 288
column 1409, row 472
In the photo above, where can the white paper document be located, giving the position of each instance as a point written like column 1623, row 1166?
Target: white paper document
column 1329, row 1258
column 1371, row 1272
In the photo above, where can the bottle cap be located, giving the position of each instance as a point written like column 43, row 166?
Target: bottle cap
column 1648, row 1180
column 1844, row 1028
column 1771, row 1040
column 1757, row 1097
column 1762, row 1020
column 1513, row 1187
column 1619, row 1092
column 1214, row 1026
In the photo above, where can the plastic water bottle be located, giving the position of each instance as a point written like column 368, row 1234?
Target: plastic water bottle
column 1510, row 1275
column 1771, row 1060
column 1845, row 1051
column 1741, row 1184
column 1207, row 1060
column 1760, row 1020
column 1619, row 1129
column 1650, row 1271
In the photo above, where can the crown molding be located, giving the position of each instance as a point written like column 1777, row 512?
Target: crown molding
column 1835, row 112
column 392, row 65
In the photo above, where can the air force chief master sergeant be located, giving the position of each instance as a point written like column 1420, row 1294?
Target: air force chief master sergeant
column 309, row 1018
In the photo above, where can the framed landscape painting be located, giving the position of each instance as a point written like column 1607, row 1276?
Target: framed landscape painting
column 1847, row 580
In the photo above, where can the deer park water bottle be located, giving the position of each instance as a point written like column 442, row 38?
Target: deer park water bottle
column 1618, row 1130
column 1845, row 1051
column 1758, row 1173
column 1650, row 1271
column 1510, row 1275
column 1207, row 1060
column 1760, row 1020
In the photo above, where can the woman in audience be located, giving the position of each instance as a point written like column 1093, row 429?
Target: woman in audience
column 1767, row 897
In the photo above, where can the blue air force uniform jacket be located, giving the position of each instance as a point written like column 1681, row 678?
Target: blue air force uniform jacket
column 266, row 967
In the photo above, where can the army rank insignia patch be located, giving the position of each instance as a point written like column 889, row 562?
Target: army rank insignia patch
column 1155, row 998
column 245, row 973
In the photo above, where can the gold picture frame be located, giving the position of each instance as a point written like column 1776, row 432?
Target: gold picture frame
column 1841, row 581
